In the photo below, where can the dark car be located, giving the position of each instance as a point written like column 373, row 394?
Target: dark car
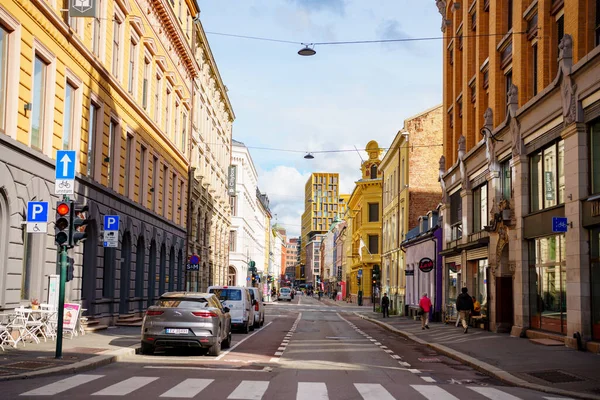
column 180, row 319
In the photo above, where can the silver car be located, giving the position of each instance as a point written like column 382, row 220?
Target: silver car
column 193, row 320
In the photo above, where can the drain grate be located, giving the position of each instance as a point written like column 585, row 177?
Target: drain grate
column 555, row 376
column 29, row 365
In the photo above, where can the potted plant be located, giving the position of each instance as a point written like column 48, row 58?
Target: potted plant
column 35, row 304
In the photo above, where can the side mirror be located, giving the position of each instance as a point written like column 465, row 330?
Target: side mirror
column 225, row 309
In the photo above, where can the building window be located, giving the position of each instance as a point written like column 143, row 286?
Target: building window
column 112, row 126
column 157, row 99
column 132, row 66
column 373, row 244
column 91, row 139
column 547, row 177
column 597, row 27
column 168, row 113
column 143, row 174
column 27, row 264
column 509, row 17
column 145, row 83
column 116, row 51
column 3, row 75
column 560, row 29
column 174, row 194
column 184, row 133
column 480, row 208
column 373, row 212
column 506, row 176
column 534, row 66
column 40, row 71
column 233, row 205
column 165, row 188
column 96, row 34
column 507, row 85
column 176, row 130
column 68, row 120
column 181, row 200
column 154, row 187
column 595, row 157
column 128, row 157
column 456, row 215
column 232, row 241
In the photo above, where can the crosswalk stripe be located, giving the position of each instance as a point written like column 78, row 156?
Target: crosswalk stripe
column 492, row 393
column 188, row 388
column 62, row 385
column 431, row 392
column 373, row 391
column 312, row 391
column 249, row 390
column 125, row 387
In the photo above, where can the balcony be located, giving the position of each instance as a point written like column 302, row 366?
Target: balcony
column 474, row 237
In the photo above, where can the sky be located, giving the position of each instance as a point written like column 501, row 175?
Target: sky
column 339, row 99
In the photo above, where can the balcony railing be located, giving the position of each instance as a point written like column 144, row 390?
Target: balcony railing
column 473, row 237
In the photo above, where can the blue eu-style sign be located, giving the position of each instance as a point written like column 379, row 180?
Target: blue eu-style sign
column 65, row 164
column 360, row 272
column 37, row 211
column 111, row 222
column 559, row 224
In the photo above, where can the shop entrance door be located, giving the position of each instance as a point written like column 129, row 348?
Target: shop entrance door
column 504, row 304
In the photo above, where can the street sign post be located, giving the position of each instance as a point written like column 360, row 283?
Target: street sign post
column 65, row 172
column 110, row 236
column 37, row 217
column 559, row 224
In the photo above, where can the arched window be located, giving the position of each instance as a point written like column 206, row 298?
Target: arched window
column 171, row 276
column 162, row 270
column 140, row 260
column 4, row 213
column 125, row 276
column 108, row 272
column 180, row 270
column 373, row 171
column 231, row 276
column 27, row 263
column 151, row 272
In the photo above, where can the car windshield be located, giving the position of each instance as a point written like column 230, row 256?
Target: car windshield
column 181, row 303
column 285, row 290
column 227, row 294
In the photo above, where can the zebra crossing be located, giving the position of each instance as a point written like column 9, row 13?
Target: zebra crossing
column 256, row 389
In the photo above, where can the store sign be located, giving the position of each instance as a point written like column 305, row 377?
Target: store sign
column 231, row 179
column 426, row 264
column 453, row 267
column 409, row 272
column 82, row 8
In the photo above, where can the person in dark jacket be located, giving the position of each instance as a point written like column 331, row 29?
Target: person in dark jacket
column 464, row 306
column 385, row 305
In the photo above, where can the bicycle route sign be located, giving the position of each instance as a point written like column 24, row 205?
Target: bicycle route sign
column 65, row 172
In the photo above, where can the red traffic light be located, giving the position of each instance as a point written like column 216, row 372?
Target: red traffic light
column 62, row 209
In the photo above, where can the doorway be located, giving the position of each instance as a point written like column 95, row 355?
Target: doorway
column 125, row 274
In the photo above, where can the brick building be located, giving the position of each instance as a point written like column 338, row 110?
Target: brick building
column 410, row 189
column 521, row 146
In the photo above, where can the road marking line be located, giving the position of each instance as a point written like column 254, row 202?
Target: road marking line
column 125, row 387
column 433, row 392
column 404, row 364
column 279, row 353
column 281, row 348
column 274, row 359
column 62, row 385
column 249, row 390
column 377, row 344
column 492, row 393
column 312, row 391
column 389, row 351
column 188, row 388
column 414, row 371
column 373, row 391
column 229, row 350
column 428, row 379
column 384, row 347
column 203, row 368
column 397, row 357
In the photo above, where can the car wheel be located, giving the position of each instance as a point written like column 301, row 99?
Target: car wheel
column 227, row 342
column 262, row 321
column 256, row 324
column 215, row 349
column 251, row 325
column 147, row 349
column 289, row 300
column 246, row 327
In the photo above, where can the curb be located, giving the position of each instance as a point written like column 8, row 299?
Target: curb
column 107, row 357
column 481, row 366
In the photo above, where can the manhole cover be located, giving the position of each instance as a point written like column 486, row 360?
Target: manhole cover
column 430, row 360
column 555, row 376
column 29, row 365
column 85, row 350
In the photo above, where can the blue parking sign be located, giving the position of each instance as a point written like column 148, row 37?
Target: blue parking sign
column 111, row 222
column 37, row 211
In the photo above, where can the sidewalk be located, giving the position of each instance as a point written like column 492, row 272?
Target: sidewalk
column 79, row 354
column 552, row 369
column 342, row 303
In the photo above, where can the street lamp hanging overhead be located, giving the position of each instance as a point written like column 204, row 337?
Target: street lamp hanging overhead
column 307, row 50
column 309, row 156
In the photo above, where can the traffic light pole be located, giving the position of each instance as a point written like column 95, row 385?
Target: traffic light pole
column 61, row 301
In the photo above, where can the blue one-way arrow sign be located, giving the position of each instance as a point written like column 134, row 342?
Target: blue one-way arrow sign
column 65, row 164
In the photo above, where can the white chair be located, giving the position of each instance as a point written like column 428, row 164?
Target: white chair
column 27, row 326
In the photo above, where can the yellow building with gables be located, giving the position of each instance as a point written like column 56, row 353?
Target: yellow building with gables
column 364, row 220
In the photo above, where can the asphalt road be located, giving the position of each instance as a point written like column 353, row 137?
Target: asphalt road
column 306, row 350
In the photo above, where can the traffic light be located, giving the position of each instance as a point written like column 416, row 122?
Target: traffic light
column 62, row 225
column 79, row 223
column 376, row 274
column 70, row 269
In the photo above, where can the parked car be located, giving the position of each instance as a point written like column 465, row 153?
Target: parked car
column 238, row 300
column 285, row 293
column 258, row 305
column 180, row 319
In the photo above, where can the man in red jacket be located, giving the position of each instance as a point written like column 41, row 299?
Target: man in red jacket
column 425, row 304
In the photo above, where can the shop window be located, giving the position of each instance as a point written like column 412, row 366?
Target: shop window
column 373, row 212
column 595, row 157
column 506, row 176
column 480, row 208
column 456, row 216
column 595, row 281
column 547, row 177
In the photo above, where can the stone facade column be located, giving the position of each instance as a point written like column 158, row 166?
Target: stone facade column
column 494, row 196
column 576, row 172
column 518, row 251
column 467, row 229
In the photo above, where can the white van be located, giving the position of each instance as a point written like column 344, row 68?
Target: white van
column 258, row 305
column 238, row 300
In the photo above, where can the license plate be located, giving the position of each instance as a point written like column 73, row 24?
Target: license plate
column 177, row 331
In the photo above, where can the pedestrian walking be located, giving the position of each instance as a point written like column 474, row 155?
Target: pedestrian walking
column 464, row 306
column 425, row 304
column 385, row 305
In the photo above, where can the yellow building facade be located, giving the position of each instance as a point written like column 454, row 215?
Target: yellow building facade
column 364, row 222
column 119, row 90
